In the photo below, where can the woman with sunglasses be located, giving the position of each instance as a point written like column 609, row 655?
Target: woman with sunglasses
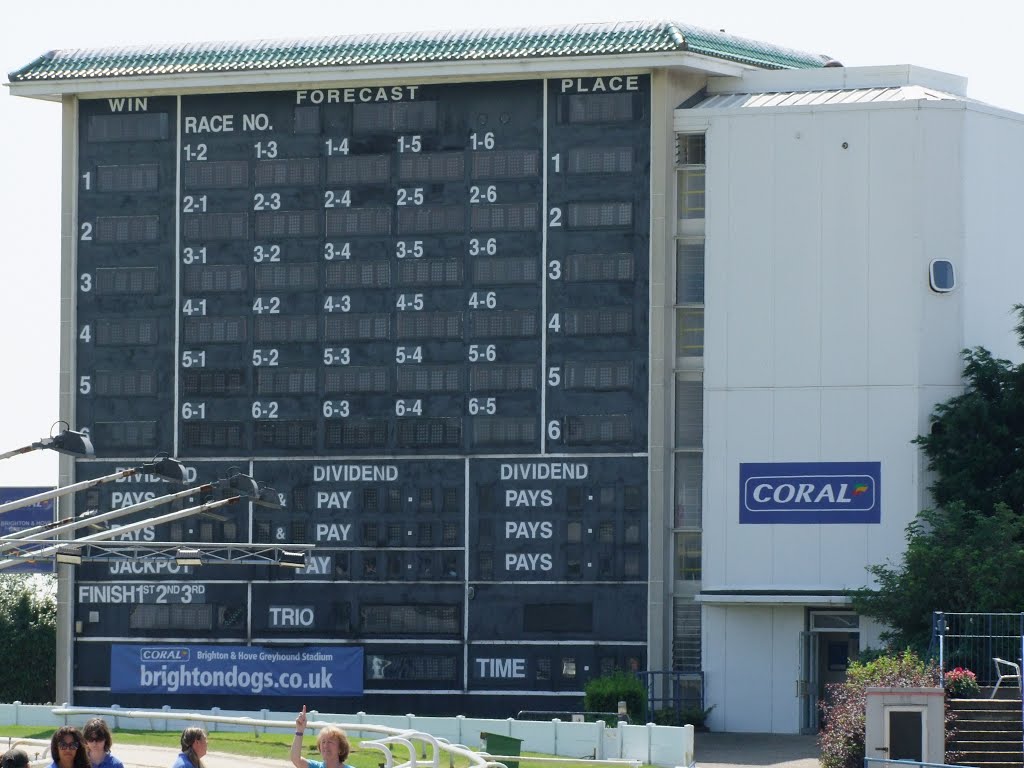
column 193, row 748
column 97, row 744
column 67, row 748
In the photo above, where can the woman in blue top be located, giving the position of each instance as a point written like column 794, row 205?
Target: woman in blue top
column 97, row 744
column 193, row 748
column 331, row 741
column 67, row 748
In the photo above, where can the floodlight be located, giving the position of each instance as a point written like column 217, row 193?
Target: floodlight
column 166, row 468
column 267, row 497
column 69, row 557
column 292, row 559
column 242, row 484
column 185, row 556
column 67, row 442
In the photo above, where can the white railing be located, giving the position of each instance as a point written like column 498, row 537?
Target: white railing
column 622, row 746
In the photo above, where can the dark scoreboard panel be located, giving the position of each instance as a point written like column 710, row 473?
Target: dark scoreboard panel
column 419, row 312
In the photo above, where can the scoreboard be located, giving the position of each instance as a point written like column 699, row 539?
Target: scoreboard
column 417, row 311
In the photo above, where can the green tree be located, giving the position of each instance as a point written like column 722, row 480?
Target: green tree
column 966, row 554
column 28, row 640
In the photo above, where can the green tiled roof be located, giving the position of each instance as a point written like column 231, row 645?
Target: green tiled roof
column 622, row 38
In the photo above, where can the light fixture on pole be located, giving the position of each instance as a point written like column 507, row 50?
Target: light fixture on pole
column 68, row 557
column 295, row 560
column 67, row 442
column 188, row 556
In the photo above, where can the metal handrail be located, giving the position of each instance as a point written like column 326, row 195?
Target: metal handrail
column 402, row 736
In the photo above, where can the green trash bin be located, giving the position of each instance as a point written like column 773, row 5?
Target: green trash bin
column 503, row 746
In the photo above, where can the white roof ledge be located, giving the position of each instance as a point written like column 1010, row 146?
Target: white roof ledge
column 837, row 78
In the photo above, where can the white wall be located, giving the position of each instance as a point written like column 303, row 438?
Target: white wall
column 750, row 676
column 821, row 328
column 993, row 275
column 823, row 342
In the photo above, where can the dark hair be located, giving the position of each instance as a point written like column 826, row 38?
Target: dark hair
column 97, row 730
column 190, row 736
column 81, row 758
column 14, row 758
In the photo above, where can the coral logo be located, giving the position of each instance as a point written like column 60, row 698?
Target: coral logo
column 824, row 492
column 163, row 654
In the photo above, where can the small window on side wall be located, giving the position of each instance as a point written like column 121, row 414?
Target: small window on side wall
column 941, row 275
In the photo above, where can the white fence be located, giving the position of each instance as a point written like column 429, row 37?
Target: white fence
column 660, row 745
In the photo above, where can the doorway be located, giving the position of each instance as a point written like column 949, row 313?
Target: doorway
column 832, row 638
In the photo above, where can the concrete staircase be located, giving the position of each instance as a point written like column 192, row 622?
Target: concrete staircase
column 988, row 732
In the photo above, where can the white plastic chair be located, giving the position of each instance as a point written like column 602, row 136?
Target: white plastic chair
column 1003, row 664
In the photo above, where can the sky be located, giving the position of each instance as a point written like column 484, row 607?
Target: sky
column 976, row 41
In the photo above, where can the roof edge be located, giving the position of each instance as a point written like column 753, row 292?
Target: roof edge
column 548, row 42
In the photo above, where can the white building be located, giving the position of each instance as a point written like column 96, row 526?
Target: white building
column 823, row 242
column 830, row 196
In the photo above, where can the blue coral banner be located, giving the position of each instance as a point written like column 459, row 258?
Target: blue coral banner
column 236, row 670
column 27, row 517
column 811, row 493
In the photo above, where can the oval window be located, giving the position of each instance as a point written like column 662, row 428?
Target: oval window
column 942, row 276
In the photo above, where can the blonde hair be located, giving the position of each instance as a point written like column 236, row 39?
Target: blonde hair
column 334, row 732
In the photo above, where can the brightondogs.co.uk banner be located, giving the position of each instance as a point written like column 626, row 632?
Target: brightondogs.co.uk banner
column 236, row 669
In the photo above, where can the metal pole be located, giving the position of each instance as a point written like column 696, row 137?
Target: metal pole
column 64, row 490
column 940, row 628
column 13, row 540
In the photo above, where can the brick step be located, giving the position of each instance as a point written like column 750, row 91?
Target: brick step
column 990, row 760
column 971, row 755
column 991, row 764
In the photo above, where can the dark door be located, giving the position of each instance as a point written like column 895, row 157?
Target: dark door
column 905, row 731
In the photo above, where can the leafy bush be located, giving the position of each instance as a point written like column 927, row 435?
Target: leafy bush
column 603, row 694
column 28, row 653
column 962, row 684
column 842, row 735
column 694, row 716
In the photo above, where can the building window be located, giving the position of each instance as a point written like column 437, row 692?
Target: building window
column 689, row 414
column 686, row 622
column 691, row 193
column 690, row 160
column 688, row 555
column 690, row 149
column 688, row 488
column 690, row 332
column 942, row 276
column 689, row 272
